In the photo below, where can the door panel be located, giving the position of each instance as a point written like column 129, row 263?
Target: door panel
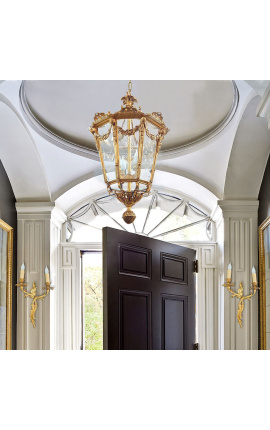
column 149, row 293
column 173, row 268
column 135, row 319
column 134, row 261
column 174, row 322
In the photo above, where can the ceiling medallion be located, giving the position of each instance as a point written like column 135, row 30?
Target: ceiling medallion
column 128, row 143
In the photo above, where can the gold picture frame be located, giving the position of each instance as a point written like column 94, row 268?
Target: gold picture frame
column 264, row 270
column 7, row 256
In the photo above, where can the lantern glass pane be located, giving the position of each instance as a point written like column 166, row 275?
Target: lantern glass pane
column 149, row 149
column 128, row 156
column 107, row 149
column 129, row 186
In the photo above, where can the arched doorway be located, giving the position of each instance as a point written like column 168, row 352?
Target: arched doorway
column 164, row 215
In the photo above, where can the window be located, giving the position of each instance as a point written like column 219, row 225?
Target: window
column 160, row 215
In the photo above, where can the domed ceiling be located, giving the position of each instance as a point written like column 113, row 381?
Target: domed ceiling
column 194, row 111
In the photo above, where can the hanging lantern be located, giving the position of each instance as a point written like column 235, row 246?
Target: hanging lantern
column 128, row 143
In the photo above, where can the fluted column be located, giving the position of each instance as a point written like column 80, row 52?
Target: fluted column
column 240, row 229
column 39, row 228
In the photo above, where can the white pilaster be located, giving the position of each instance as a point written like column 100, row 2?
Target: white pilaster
column 69, row 333
column 207, row 295
column 39, row 227
column 240, row 223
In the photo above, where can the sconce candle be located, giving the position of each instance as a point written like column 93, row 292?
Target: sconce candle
column 254, row 277
column 229, row 271
column 22, row 271
column 47, row 275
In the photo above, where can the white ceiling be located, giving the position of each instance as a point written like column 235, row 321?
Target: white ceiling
column 191, row 109
column 39, row 169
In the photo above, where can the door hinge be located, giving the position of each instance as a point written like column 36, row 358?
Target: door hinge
column 196, row 346
column 196, row 266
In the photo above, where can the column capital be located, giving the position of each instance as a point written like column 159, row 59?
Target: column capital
column 239, row 208
column 40, row 210
column 34, row 208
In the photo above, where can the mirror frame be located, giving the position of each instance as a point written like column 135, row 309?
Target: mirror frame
column 9, row 231
column 265, row 224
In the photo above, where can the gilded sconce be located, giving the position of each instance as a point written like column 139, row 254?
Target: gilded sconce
column 239, row 294
column 33, row 292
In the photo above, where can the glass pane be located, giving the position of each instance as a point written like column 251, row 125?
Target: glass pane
column 3, row 287
column 107, row 148
column 118, row 217
column 183, row 215
column 95, row 219
column 209, row 230
column 141, row 209
column 116, row 210
column 266, row 240
column 267, row 253
column 86, row 234
column 162, row 207
column 129, row 186
column 194, row 233
column 128, row 156
column 149, row 148
column 93, row 300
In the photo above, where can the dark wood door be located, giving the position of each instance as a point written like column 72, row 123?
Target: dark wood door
column 149, row 293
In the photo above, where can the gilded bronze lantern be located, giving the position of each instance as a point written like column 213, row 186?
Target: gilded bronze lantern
column 128, row 143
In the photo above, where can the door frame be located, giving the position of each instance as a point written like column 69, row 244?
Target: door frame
column 68, row 295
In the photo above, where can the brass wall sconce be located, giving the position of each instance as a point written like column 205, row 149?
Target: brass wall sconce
column 239, row 294
column 33, row 292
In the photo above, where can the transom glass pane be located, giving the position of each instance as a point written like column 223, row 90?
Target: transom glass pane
column 156, row 215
